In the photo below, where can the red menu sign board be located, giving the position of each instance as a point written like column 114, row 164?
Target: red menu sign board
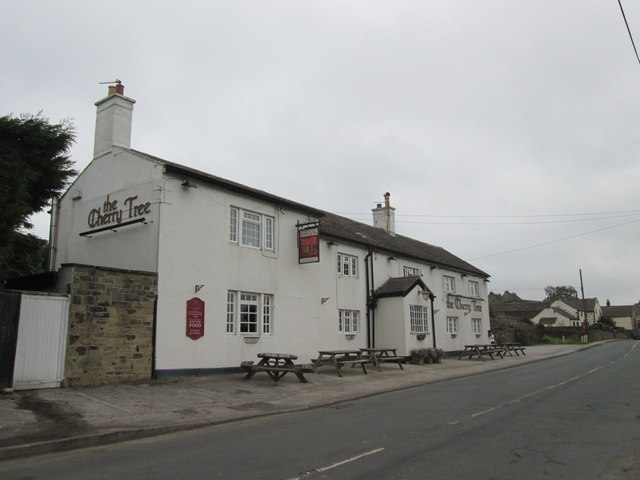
column 195, row 318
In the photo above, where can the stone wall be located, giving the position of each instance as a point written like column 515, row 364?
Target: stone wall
column 111, row 322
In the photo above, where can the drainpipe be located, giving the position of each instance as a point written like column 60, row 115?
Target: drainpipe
column 53, row 236
column 368, row 302
column 433, row 321
column 372, row 302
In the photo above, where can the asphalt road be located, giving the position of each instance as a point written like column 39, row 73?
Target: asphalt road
column 571, row 417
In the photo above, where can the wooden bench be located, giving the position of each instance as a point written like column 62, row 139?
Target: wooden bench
column 276, row 365
column 353, row 362
column 513, row 347
column 340, row 358
column 481, row 350
column 379, row 355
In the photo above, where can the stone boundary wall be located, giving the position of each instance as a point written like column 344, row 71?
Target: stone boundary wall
column 111, row 322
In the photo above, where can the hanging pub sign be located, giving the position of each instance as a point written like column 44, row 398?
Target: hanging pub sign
column 195, row 318
column 308, row 245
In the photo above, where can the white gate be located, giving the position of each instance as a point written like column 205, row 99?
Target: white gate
column 41, row 343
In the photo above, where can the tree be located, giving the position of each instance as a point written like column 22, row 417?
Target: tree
column 34, row 168
column 559, row 293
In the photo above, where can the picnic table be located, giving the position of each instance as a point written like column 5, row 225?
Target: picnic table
column 513, row 347
column 340, row 358
column 481, row 350
column 380, row 355
column 276, row 365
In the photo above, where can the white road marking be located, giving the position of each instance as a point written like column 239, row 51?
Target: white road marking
column 337, row 464
column 536, row 392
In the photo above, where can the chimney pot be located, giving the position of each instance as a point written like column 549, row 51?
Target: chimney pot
column 112, row 89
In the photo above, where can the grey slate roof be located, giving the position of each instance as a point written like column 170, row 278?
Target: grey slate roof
column 335, row 226
column 399, row 286
column 617, row 311
column 578, row 303
column 356, row 232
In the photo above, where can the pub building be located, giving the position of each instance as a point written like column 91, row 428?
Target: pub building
column 241, row 271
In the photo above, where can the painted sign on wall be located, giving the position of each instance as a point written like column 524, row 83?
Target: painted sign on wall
column 195, row 318
column 112, row 213
column 462, row 303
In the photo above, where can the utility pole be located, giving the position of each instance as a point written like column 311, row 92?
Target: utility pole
column 584, row 307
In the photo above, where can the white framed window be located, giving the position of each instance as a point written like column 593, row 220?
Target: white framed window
column 347, row 265
column 348, row 321
column 233, row 225
column 249, row 313
column 251, row 229
column 452, row 324
column 231, row 312
column 476, row 325
column 410, row 271
column 418, row 318
column 267, row 313
column 474, row 289
column 449, row 283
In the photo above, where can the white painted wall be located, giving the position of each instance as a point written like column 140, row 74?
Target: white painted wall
column 187, row 243
column 119, row 175
column 194, row 249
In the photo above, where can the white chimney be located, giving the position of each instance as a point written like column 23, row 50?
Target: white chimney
column 385, row 217
column 113, row 120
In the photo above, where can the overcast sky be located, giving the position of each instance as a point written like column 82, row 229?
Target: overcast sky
column 506, row 131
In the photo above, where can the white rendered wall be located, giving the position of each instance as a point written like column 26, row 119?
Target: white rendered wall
column 116, row 177
column 195, row 250
column 386, row 268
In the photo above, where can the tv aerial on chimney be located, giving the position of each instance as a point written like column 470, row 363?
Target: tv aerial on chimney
column 115, row 82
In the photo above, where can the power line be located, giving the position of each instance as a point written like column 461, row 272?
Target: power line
column 619, row 212
column 629, row 30
column 553, row 241
column 541, row 222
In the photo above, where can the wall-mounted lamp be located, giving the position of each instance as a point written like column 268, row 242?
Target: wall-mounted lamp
column 331, row 243
column 391, row 258
column 324, row 300
column 425, row 294
column 188, row 184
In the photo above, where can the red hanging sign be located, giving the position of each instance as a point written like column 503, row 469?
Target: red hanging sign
column 195, row 318
column 308, row 245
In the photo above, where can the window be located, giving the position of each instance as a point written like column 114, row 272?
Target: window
column 410, row 271
column 452, row 324
column 231, row 312
column 233, row 224
column 474, row 289
column 249, row 313
column 348, row 321
column 347, row 265
column 476, row 325
column 418, row 317
column 266, row 314
column 251, row 229
column 449, row 284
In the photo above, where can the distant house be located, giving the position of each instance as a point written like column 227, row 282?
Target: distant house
column 569, row 312
column 511, row 307
column 622, row 315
